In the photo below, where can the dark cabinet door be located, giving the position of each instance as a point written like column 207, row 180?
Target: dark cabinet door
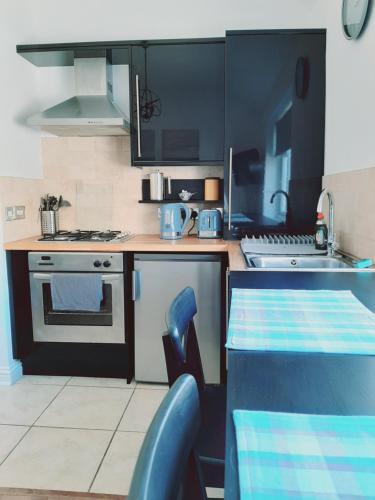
column 178, row 104
column 274, row 132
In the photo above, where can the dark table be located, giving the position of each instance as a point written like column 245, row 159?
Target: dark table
column 298, row 383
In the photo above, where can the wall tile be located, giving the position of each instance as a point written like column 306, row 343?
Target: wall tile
column 354, row 210
column 95, row 175
column 53, row 151
column 93, row 205
column 125, row 143
column 80, row 143
column 108, row 143
column 107, row 188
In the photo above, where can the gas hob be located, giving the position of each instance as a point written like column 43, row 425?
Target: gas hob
column 89, row 235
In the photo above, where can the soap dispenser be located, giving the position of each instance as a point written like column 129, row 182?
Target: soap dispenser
column 321, row 232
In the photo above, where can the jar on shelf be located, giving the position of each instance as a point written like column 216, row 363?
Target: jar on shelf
column 212, row 188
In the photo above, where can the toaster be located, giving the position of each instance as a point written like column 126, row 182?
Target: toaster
column 209, row 223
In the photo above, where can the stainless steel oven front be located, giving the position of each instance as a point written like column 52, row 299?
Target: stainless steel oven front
column 105, row 326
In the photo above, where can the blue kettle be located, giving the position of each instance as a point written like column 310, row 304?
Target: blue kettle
column 174, row 217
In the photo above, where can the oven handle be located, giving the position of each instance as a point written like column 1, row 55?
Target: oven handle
column 136, row 285
column 105, row 277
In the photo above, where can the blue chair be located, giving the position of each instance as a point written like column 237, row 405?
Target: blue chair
column 168, row 462
column 182, row 356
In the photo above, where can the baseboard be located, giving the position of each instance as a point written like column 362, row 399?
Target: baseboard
column 11, row 374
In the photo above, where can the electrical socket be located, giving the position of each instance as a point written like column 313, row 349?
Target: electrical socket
column 10, row 213
column 195, row 209
column 19, row 211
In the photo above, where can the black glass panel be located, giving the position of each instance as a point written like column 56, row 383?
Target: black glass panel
column 181, row 98
column 276, row 132
column 180, row 145
column 283, row 133
column 148, row 144
column 78, row 318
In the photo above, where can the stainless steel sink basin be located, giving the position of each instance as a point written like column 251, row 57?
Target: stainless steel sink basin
column 282, row 262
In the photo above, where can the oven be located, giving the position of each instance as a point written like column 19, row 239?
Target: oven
column 104, row 326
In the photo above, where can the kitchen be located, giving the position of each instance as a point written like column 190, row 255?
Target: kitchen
column 97, row 176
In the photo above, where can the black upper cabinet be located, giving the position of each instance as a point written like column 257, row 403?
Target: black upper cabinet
column 178, row 103
column 274, row 131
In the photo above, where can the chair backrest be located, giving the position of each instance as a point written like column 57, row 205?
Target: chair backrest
column 167, row 458
column 181, row 347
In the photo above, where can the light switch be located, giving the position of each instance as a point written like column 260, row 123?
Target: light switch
column 10, row 213
column 20, row 211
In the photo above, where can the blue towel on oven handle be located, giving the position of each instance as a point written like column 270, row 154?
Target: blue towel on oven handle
column 76, row 291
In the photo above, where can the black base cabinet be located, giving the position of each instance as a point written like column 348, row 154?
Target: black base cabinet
column 77, row 360
column 177, row 94
column 65, row 358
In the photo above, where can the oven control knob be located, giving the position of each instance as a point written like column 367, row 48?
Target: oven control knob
column 97, row 263
column 106, row 263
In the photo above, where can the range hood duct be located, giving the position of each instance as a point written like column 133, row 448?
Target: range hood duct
column 92, row 111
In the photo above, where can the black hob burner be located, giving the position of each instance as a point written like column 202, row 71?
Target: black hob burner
column 79, row 235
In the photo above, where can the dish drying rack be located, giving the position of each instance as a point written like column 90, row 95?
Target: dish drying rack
column 280, row 244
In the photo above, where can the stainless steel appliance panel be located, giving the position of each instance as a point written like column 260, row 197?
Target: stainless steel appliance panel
column 105, row 326
column 111, row 334
column 75, row 261
column 157, row 279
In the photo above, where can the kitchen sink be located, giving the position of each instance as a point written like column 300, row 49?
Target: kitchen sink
column 297, row 262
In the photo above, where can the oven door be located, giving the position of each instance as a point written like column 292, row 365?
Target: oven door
column 104, row 326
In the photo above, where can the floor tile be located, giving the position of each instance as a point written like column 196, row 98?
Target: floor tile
column 9, row 437
column 101, row 382
column 142, row 385
column 86, row 408
column 43, row 380
column 22, row 404
column 62, row 459
column 141, row 409
column 116, row 471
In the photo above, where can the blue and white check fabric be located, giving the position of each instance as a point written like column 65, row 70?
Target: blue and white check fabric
column 324, row 321
column 294, row 456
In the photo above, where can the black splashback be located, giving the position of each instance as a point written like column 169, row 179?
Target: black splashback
column 275, row 120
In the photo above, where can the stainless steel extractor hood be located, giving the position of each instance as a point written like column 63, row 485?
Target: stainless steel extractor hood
column 92, row 111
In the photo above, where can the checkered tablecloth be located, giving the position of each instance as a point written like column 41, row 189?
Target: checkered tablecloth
column 295, row 456
column 323, row 321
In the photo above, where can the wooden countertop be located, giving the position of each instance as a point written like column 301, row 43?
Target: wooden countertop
column 139, row 243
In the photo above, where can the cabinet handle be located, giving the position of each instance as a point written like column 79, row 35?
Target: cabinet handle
column 135, row 285
column 105, row 277
column 230, row 190
column 138, row 117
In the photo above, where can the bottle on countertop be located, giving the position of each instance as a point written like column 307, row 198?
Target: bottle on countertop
column 321, row 232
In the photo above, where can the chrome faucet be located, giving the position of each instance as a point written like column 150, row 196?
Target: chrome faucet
column 331, row 242
column 288, row 211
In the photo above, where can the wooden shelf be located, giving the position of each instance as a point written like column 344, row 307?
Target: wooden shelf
column 195, row 186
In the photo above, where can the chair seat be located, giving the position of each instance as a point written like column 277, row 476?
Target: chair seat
column 211, row 438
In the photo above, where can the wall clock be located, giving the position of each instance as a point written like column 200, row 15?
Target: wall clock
column 354, row 13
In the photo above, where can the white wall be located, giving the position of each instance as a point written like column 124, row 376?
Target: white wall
column 19, row 145
column 87, row 20
column 350, row 107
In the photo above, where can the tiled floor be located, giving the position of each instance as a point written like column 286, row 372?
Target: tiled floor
column 73, row 433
